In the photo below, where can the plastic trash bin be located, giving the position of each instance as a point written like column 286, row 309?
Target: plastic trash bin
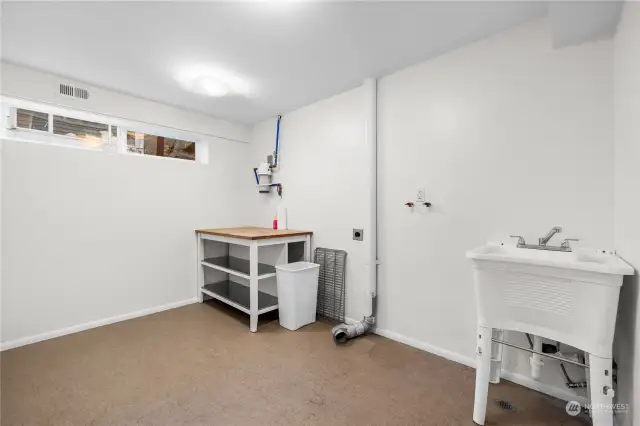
column 297, row 293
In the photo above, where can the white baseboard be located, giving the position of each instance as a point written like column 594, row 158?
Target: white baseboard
column 520, row 379
column 91, row 324
column 452, row 356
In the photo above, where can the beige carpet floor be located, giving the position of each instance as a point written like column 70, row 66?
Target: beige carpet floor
column 199, row 365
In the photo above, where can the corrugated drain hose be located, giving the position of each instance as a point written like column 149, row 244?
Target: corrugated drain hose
column 343, row 332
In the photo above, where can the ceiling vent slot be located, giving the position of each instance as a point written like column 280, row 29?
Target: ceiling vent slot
column 73, row 92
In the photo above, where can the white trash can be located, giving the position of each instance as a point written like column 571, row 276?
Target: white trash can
column 297, row 293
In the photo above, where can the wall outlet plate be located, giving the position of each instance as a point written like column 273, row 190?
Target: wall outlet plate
column 358, row 234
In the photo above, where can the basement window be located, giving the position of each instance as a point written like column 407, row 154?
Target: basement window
column 59, row 129
column 160, row 146
column 60, row 126
column 93, row 133
column 32, row 120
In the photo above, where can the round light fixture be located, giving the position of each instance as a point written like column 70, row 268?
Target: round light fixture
column 212, row 81
column 210, row 86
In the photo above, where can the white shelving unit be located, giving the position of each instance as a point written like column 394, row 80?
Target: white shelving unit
column 234, row 262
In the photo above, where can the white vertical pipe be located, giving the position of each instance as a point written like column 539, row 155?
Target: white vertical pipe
column 535, row 360
column 371, row 141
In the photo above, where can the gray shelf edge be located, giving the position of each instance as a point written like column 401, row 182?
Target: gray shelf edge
column 264, row 270
column 265, row 300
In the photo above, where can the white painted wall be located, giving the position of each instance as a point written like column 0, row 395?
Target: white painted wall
column 91, row 236
column 627, row 205
column 323, row 168
column 507, row 135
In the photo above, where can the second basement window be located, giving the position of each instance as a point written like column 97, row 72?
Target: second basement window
column 160, row 146
column 86, row 131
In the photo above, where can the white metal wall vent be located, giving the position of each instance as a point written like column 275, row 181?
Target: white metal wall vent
column 73, row 92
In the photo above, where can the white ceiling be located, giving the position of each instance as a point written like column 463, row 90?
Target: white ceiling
column 575, row 22
column 293, row 53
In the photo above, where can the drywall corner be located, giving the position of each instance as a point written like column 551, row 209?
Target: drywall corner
column 627, row 207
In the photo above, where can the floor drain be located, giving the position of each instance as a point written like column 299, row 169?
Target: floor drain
column 505, row 405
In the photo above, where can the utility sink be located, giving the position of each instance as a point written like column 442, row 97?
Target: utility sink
column 567, row 296
column 571, row 297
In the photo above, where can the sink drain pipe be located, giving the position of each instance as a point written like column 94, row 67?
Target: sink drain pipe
column 343, row 332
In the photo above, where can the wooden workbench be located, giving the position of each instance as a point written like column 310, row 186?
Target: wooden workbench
column 232, row 262
column 253, row 232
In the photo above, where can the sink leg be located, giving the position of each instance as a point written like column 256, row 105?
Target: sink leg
column 601, row 390
column 483, row 373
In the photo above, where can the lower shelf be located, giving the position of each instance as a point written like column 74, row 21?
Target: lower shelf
column 237, row 295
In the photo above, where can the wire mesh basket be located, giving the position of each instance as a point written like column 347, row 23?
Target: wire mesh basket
column 331, row 284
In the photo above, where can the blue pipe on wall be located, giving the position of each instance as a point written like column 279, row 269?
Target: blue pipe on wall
column 275, row 159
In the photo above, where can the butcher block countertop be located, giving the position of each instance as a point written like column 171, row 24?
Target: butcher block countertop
column 253, row 232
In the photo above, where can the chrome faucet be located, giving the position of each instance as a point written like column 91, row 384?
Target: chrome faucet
column 544, row 240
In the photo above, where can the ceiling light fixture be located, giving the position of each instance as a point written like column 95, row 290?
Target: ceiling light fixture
column 210, row 86
column 208, row 80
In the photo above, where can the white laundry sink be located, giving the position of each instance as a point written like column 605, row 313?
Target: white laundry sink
column 571, row 297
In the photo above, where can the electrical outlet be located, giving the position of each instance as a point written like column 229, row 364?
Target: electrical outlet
column 421, row 195
column 358, row 234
